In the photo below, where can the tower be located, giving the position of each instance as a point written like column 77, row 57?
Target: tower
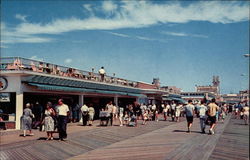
column 156, row 82
column 216, row 83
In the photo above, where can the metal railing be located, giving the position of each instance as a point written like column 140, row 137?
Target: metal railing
column 19, row 63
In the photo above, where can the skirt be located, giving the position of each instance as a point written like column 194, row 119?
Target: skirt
column 26, row 123
column 49, row 124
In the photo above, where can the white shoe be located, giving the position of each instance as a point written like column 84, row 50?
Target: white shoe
column 121, row 125
column 211, row 131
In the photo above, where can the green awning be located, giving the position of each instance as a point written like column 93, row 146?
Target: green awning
column 179, row 100
column 56, row 81
column 74, row 89
column 166, row 99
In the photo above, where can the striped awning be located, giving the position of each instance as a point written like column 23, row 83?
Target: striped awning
column 74, row 89
column 56, row 81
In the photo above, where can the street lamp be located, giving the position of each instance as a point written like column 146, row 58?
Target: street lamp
column 246, row 55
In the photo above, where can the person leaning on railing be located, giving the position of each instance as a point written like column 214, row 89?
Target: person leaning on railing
column 17, row 64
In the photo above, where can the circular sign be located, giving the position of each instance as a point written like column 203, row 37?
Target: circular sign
column 3, row 83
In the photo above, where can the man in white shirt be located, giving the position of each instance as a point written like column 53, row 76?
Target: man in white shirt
column 110, row 107
column 85, row 117
column 173, row 105
column 102, row 73
column 62, row 113
column 203, row 117
column 189, row 110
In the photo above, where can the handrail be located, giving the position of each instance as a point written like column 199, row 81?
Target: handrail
column 19, row 63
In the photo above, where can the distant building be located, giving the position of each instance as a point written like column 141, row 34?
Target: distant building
column 171, row 89
column 197, row 97
column 244, row 96
column 156, row 82
column 215, row 88
column 231, row 98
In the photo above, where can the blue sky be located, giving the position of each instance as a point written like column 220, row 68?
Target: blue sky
column 184, row 43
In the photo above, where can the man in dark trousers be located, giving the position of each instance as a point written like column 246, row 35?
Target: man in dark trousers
column 62, row 113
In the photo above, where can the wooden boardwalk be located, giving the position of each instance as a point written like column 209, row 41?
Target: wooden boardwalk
column 233, row 143
column 79, row 142
column 156, row 140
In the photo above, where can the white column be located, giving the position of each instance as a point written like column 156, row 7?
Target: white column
column 81, row 102
column 19, row 108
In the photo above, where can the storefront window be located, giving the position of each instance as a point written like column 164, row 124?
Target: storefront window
column 7, row 106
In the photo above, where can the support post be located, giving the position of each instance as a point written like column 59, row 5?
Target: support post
column 19, row 108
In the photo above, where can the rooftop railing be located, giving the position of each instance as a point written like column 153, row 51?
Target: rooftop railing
column 18, row 63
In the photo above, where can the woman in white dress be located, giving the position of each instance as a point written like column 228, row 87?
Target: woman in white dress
column 246, row 114
column 178, row 112
column 49, row 124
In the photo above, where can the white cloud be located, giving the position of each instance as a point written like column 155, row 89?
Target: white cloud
column 8, row 36
column 87, row 7
column 68, row 61
column 130, row 14
column 119, row 34
column 145, row 38
column 35, row 57
column 25, row 39
column 182, row 34
column 109, row 6
column 175, row 34
column 21, row 17
column 134, row 14
column 136, row 37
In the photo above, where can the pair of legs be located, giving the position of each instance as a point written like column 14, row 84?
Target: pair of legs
column 62, row 127
column 173, row 114
column 144, row 121
column 111, row 119
column 189, row 122
column 212, row 125
column 30, row 133
column 156, row 117
column 120, row 120
column 203, row 124
column 50, row 135
column 177, row 118
column 246, row 118
column 85, row 118
column 91, row 119
column 165, row 116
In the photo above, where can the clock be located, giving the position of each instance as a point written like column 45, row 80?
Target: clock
column 3, row 83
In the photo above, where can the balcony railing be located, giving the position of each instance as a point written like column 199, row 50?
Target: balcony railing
column 18, row 63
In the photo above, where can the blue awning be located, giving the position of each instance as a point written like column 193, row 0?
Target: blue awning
column 74, row 89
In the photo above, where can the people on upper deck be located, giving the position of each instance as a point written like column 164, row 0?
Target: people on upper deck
column 102, row 73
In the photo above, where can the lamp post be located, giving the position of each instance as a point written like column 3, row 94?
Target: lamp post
column 244, row 74
column 246, row 55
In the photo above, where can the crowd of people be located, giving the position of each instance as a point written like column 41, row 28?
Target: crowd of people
column 48, row 68
column 54, row 118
